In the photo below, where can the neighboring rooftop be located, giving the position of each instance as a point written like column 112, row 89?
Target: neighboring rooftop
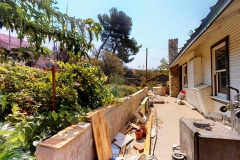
column 14, row 42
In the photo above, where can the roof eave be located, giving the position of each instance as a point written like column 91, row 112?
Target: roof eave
column 216, row 11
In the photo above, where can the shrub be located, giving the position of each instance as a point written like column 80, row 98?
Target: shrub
column 25, row 99
column 122, row 90
column 116, row 79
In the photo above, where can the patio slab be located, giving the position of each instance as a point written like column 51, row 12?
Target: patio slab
column 168, row 131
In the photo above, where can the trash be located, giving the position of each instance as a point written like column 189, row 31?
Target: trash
column 142, row 118
column 180, row 97
column 115, row 150
column 142, row 157
column 138, row 147
column 150, row 93
column 120, row 158
column 122, row 140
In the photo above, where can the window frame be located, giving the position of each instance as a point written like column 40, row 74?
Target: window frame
column 214, row 71
column 184, row 75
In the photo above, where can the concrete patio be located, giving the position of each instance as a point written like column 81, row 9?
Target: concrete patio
column 168, row 131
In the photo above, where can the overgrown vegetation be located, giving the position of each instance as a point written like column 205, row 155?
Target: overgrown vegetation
column 25, row 101
column 117, row 87
column 39, row 21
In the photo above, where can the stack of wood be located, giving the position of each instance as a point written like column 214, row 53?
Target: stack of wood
column 103, row 145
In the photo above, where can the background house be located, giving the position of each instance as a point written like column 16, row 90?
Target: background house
column 209, row 60
column 9, row 42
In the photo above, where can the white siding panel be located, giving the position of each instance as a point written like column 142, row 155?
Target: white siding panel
column 231, row 29
column 206, row 92
column 204, row 100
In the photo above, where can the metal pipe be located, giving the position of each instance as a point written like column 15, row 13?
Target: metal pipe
column 232, row 88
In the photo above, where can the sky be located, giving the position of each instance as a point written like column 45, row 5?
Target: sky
column 154, row 22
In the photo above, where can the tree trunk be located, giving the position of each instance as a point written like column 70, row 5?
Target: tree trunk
column 98, row 53
column 115, row 48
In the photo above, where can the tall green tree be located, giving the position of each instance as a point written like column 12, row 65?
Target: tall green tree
column 163, row 67
column 116, row 35
column 34, row 19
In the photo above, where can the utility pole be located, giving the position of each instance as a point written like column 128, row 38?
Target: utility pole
column 67, row 14
column 9, row 39
column 146, row 63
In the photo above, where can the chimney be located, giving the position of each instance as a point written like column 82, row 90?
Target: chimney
column 172, row 49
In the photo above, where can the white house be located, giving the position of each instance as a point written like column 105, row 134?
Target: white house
column 210, row 60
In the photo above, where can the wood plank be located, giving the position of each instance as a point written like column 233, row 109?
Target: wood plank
column 134, row 126
column 125, row 127
column 147, row 143
column 122, row 151
column 128, row 130
column 101, row 135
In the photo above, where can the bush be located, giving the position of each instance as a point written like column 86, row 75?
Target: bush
column 116, row 79
column 143, row 84
column 122, row 90
column 26, row 99
column 128, row 90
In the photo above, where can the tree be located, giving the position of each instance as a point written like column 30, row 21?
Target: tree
column 34, row 19
column 116, row 35
column 112, row 64
column 164, row 66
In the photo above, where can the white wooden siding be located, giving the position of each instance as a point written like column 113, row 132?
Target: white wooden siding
column 204, row 100
column 229, row 28
column 232, row 29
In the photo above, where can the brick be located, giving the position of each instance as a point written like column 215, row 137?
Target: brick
column 138, row 147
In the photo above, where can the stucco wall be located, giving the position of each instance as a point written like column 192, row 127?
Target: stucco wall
column 77, row 143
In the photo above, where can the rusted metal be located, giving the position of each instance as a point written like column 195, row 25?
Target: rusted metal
column 54, row 70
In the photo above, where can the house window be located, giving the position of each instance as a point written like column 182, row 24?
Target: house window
column 220, row 68
column 184, row 68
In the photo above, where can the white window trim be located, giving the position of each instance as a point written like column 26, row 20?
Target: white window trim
column 184, row 74
column 217, row 71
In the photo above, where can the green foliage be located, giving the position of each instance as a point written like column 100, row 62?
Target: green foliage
column 116, row 79
column 88, row 84
column 25, row 88
column 9, row 141
column 115, row 36
column 121, row 90
column 143, row 84
column 38, row 127
column 39, row 20
column 112, row 64
column 25, row 100
column 163, row 66
column 115, row 90
column 127, row 90
column 28, row 90
column 152, row 84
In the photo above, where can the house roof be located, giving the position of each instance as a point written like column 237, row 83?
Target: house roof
column 158, row 76
column 14, row 42
column 215, row 12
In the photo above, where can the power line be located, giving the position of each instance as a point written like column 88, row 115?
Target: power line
column 154, row 49
column 153, row 44
column 156, row 58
